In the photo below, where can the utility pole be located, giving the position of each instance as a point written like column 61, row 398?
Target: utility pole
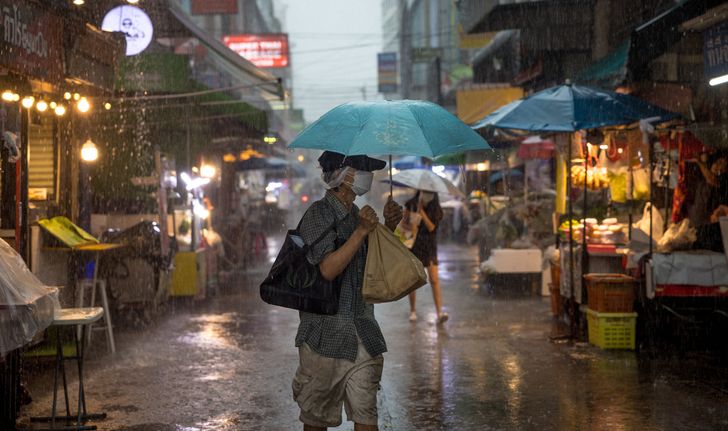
column 405, row 50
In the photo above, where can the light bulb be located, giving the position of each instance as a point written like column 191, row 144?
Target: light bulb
column 107, row 106
column 76, row 96
column 16, row 97
column 7, row 96
column 67, row 95
column 53, row 105
column 89, row 152
column 27, row 102
column 83, row 105
column 79, row 2
column 41, row 106
column 60, row 110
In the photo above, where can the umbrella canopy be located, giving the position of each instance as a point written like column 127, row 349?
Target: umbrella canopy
column 426, row 180
column 397, row 127
column 568, row 108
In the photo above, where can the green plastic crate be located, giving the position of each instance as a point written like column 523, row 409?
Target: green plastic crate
column 612, row 330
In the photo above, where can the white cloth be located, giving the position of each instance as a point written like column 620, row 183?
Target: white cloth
column 697, row 268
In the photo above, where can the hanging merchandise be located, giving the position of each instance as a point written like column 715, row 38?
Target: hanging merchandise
column 618, row 185
column 640, row 184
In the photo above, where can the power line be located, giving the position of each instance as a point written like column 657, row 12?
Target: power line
column 191, row 94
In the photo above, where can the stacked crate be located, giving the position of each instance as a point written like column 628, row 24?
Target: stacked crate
column 611, row 318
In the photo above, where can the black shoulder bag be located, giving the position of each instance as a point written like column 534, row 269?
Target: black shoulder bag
column 294, row 283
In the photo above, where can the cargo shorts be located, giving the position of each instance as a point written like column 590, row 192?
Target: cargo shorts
column 321, row 385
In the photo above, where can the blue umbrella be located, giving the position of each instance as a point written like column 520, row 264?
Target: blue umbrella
column 398, row 127
column 497, row 176
column 568, row 108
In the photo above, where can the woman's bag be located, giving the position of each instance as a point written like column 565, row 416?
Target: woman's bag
column 406, row 231
column 295, row 283
column 391, row 271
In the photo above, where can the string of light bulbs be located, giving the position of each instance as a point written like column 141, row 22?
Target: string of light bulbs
column 82, row 103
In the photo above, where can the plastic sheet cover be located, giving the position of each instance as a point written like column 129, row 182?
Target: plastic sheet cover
column 27, row 306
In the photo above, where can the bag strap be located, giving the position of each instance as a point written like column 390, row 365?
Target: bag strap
column 324, row 233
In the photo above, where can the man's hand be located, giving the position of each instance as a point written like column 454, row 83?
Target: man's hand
column 392, row 214
column 368, row 219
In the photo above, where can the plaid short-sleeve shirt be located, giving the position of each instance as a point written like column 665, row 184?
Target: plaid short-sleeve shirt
column 336, row 336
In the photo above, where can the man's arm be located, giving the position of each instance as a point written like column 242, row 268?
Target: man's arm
column 336, row 262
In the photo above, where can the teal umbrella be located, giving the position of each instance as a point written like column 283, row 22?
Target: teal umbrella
column 397, row 127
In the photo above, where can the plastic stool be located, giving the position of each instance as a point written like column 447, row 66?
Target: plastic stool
column 101, row 287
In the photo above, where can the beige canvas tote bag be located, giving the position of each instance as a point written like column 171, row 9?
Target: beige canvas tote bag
column 391, row 271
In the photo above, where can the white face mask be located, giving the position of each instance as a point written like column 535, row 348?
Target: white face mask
column 427, row 197
column 362, row 182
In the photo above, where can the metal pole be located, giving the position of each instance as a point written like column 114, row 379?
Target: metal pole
column 572, row 297
column 584, row 251
column 650, row 152
column 23, row 179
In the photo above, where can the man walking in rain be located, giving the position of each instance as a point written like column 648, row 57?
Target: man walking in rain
column 341, row 355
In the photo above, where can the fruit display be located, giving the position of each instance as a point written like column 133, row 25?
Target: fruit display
column 596, row 179
column 609, row 231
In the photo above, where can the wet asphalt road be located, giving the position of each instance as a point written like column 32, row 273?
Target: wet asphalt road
column 226, row 364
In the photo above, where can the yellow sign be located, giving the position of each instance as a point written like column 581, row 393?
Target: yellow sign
column 476, row 40
column 476, row 103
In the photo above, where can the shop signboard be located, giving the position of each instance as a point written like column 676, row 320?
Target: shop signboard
column 31, row 40
column 715, row 50
column 387, row 71
column 425, row 54
column 134, row 23
column 212, row 7
column 94, row 57
column 263, row 50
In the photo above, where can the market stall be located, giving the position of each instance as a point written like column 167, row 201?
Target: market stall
column 584, row 122
column 686, row 271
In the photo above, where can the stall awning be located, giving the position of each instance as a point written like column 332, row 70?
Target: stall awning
column 497, row 15
column 243, row 70
column 610, row 71
column 478, row 14
column 500, row 39
column 655, row 37
column 476, row 103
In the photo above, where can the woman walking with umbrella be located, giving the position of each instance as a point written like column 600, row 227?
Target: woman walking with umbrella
column 426, row 205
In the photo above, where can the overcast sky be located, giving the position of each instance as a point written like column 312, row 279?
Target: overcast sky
column 334, row 46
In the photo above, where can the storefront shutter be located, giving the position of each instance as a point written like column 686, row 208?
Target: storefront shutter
column 42, row 160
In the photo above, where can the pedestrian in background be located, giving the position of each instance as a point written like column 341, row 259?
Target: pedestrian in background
column 427, row 206
column 341, row 355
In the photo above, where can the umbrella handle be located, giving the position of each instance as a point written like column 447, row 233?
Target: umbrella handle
column 390, row 176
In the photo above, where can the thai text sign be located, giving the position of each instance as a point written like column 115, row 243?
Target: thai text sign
column 387, row 71
column 715, row 50
column 31, row 40
column 263, row 50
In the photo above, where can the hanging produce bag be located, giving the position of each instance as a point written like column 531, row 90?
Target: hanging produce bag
column 641, row 187
column 618, row 185
column 391, row 271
